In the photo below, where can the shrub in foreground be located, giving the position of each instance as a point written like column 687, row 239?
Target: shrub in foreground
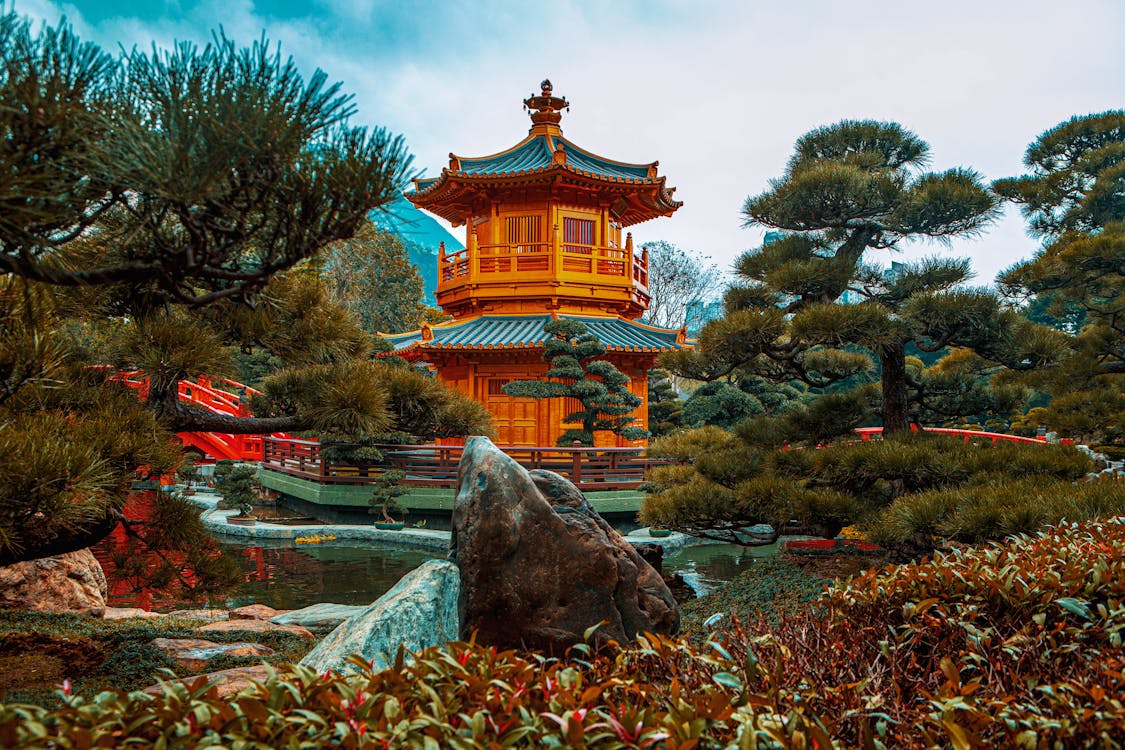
column 1014, row 645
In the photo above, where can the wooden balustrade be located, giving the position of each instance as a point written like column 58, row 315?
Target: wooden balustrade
column 539, row 257
column 436, row 465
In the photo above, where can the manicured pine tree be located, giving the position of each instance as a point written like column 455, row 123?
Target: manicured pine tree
column 852, row 188
column 161, row 208
column 665, row 409
column 577, row 373
column 1074, row 199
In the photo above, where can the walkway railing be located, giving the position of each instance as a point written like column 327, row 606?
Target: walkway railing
column 590, row 469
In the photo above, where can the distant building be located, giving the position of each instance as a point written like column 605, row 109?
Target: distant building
column 701, row 313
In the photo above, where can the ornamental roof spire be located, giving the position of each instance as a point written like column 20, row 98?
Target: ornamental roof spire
column 546, row 109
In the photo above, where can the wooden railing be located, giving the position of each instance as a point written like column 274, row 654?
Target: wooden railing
column 436, row 465
column 610, row 264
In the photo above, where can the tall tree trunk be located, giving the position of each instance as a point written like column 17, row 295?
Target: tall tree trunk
column 896, row 403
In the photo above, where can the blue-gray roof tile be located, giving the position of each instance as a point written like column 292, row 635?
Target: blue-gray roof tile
column 525, row 331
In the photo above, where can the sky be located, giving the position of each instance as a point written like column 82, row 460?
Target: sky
column 716, row 91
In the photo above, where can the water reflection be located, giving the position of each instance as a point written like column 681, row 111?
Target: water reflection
column 284, row 576
column 288, row 577
column 706, row 567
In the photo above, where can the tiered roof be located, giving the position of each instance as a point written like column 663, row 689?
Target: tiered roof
column 545, row 158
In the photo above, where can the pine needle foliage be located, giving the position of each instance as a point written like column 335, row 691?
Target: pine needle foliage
column 911, row 491
column 578, row 372
column 1073, row 200
column 849, row 190
column 161, row 211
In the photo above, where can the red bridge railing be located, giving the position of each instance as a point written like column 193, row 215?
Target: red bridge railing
column 214, row 394
column 865, row 434
column 436, row 465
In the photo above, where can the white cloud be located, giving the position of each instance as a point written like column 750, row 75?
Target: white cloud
column 717, row 91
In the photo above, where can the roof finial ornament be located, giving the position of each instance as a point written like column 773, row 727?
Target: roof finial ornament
column 546, row 108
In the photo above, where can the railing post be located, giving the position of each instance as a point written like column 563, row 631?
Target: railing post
column 576, row 468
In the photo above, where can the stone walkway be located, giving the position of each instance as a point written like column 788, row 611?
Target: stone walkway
column 216, row 521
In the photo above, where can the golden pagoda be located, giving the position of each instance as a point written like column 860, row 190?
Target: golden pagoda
column 543, row 225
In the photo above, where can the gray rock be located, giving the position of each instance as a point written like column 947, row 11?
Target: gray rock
column 319, row 616
column 540, row 567
column 418, row 612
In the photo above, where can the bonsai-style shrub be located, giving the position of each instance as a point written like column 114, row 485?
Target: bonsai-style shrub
column 578, row 373
column 384, row 494
column 188, row 474
column 238, row 488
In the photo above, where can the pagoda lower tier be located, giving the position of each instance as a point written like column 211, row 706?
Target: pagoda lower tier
column 480, row 355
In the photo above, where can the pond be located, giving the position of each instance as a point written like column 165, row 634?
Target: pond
column 284, row 576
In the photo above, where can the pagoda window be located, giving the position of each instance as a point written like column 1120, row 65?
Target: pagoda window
column 525, row 233
column 578, row 235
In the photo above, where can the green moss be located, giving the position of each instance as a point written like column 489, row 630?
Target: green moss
column 96, row 654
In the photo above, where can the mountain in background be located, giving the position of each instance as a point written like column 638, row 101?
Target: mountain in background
column 421, row 234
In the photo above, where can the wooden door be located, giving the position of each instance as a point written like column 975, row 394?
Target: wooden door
column 514, row 419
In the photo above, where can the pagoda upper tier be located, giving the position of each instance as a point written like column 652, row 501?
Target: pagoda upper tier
column 544, row 223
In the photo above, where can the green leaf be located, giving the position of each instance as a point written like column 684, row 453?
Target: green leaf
column 1076, row 607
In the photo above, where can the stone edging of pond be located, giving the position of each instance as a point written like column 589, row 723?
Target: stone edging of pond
column 216, row 521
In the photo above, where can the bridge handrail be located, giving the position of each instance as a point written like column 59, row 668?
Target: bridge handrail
column 865, row 433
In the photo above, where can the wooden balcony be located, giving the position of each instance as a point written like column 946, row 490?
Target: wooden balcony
column 530, row 262
column 590, row 469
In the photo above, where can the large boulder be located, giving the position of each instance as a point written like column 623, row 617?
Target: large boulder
column 69, row 583
column 539, row 566
column 419, row 611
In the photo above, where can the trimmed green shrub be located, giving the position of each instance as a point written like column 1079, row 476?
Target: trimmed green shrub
column 908, row 490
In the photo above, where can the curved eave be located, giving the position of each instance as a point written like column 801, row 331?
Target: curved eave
column 652, row 193
column 422, row 347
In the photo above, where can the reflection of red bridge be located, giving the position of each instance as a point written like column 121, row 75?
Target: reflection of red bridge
column 213, row 394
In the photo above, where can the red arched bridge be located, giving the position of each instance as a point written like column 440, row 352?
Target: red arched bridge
column 213, row 394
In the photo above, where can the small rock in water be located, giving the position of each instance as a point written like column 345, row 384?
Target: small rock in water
column 418, row 612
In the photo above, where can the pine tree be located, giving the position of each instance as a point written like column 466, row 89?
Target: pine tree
column 851, row 188
column 576, row 372
column 160, row 209
column 1074, row 198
